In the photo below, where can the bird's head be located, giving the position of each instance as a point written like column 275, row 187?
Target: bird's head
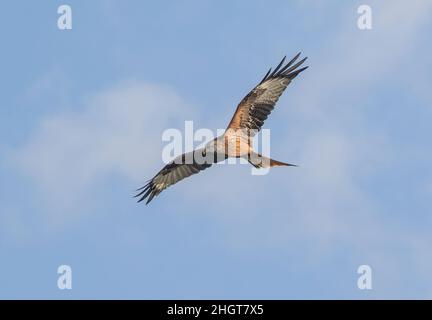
column 209, row 152
column 211, row 147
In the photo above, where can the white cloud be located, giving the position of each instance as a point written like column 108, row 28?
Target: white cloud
column 341, row 150
column 115, row 133
column 324, row 202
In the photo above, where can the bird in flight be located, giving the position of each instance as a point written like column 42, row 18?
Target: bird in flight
column 248, row 119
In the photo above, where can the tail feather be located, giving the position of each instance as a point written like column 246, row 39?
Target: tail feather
column 260, row 161
column 275, row 163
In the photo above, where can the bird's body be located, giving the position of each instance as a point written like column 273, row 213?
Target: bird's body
column 231, row 143
column 237, row 140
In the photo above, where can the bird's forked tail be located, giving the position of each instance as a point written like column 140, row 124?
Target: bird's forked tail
column 260, row 161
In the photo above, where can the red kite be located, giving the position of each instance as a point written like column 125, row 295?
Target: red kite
column 248, row 119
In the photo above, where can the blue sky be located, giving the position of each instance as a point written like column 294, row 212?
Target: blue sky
column 81, row 121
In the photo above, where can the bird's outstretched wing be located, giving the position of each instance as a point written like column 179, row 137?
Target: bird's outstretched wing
column 254, row 109
column 180, row 168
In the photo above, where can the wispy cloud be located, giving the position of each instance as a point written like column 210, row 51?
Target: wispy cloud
column 327, row 206
column 115, row 133
column 327, row 201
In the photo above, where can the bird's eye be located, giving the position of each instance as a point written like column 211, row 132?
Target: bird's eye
column 204, row 153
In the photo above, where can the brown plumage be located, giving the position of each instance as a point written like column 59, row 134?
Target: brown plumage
column 254, row 109
column 248, row 119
